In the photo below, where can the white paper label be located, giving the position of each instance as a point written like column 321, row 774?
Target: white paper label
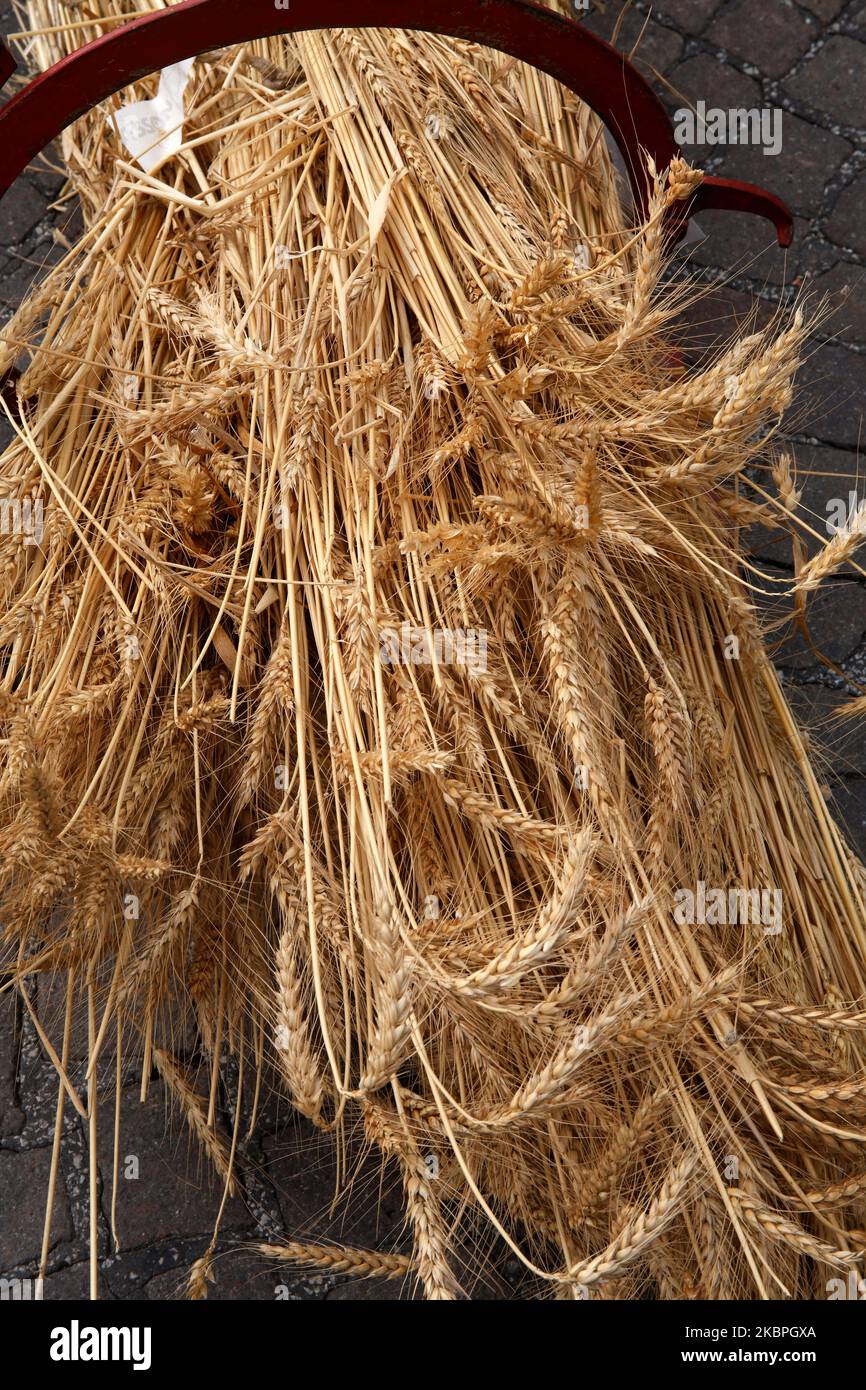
column 153, row 130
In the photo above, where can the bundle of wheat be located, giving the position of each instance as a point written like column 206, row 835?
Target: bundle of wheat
column 386, row 690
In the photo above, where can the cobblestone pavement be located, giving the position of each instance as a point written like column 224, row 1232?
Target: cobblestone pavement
column 806, row 58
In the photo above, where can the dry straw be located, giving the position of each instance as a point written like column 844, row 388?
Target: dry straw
column 378, row 353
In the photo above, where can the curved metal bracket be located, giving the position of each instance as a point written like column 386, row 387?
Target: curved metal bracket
column 729, row 195
column 597, row 73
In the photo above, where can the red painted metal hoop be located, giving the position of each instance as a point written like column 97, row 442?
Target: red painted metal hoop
column 597, row 73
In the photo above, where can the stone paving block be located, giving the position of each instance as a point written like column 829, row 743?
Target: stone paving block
column 833, row 80
column 826, row 477
column 836, row 617
column 497, row 1283
column 19, row 215
column 704, row 78
column 711, row 320
column 72, row 1283
column 659, row 47
column 745, row 247
column 239, row 1274
column 375, row 1290
column 174, row 1193
column 11, row 1116
column 168, row 1288
column 846, row 224
column 824, row 9
column 849, row 804
column 48, row 183
column 837, row 744
column 407, row 1290
column 774, row 45
column 831, row 396
column 51, row 1008
column 845, row 282
column 809, row 159
column 691, row 16
column 302, row 1166
column 49, row 1000
column 20, row 276
column 23, row 1193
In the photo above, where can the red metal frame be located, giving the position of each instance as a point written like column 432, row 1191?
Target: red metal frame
column 599, row 74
